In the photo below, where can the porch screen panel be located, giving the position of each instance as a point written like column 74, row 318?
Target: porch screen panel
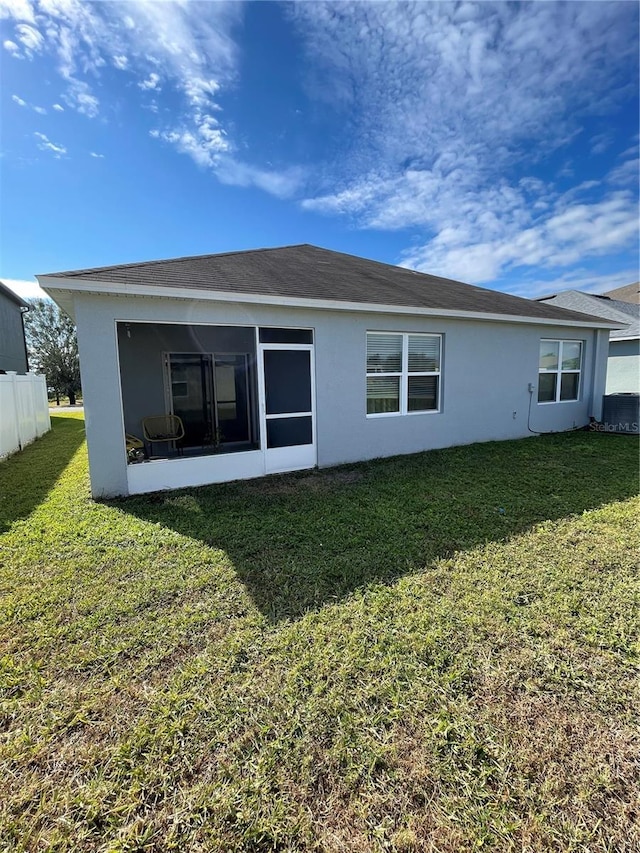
column 289, row 432
column 288, row 398
column 285, row 336
column 287, row 379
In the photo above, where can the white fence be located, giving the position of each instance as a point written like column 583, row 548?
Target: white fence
column 24, row 410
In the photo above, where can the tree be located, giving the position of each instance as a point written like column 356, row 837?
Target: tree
column 53, row 347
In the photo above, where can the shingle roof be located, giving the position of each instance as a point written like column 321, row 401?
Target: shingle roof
column 309, row 272
column 628, row 293
column 625, row 313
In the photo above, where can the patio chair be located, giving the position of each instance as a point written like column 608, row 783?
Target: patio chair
column 162, row 428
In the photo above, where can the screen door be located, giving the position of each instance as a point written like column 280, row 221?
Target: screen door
column 288, row 423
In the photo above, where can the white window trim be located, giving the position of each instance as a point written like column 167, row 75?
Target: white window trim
column 559, row 372
column 404, row 375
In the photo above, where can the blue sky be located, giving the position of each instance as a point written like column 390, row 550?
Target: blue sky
column 495, row 143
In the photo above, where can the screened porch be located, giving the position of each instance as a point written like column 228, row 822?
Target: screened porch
column 239, row 392
column 203, row 377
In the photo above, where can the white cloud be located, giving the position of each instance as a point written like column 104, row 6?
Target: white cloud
column 22, row 103
column 204, row 141
column 632, row 151
column 207, row 144
column 282, row 184
column 19, row 10
column 601, row 142
column 30, row 37
column 79, row 97
column 447, row 105
column 627, row 172
column 425, row 78
column 97, row 156
column 479, row 234
column 183, row 47
column 12, row 48
column 58, row 108
column 442, row 104
column 45, row 144
column 569, row 235
column 152, row 82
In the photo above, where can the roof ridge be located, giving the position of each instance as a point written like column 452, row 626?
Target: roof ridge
column 394, row 266
column 174, row 260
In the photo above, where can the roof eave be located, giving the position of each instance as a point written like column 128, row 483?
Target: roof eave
column 13, row 296
column 51, row 283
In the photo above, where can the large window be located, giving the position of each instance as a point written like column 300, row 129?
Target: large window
column 559, row 371
column 403, row 373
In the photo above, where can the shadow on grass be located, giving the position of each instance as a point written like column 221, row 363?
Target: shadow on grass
column 300, row 541
column 26, row 478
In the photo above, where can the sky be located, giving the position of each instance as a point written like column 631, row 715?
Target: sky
column 492, row 143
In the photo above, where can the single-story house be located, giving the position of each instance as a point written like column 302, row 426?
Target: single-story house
column 623, row 366
column 283, row 359
column 13, row 348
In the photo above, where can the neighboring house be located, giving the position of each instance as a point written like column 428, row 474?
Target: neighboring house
column 24, row 408
column 623, row 367
column 13, row 348
column 284, row 359
column 628, row 293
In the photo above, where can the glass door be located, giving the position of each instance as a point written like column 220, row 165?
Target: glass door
column 231, row 389
column 211, row 393
column 191, row 396
column 288, row 422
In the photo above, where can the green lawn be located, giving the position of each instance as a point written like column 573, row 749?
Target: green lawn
column 428, row 653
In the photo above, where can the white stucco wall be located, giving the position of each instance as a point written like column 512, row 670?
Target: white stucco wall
column 486, row 370
column 623, row 367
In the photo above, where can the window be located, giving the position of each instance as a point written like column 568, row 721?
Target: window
column 403, row 373
column 559, row 371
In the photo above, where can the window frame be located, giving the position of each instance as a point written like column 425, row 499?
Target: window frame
column 403, row 374
column 559, row 372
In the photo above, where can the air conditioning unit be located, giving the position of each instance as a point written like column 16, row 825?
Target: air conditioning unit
column 621, row 413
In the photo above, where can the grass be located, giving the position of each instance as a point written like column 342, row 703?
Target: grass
column 427, row 653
